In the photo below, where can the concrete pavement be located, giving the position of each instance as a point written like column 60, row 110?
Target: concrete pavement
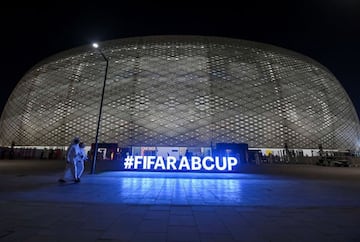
column 264, row 203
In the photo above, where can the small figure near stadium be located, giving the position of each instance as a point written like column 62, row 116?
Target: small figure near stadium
column 71, row 172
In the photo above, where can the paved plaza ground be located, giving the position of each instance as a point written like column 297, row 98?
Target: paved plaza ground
column 263, row 203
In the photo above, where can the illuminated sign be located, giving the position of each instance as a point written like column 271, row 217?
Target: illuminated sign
column 170, row 163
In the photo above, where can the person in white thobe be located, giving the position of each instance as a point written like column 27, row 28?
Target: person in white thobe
column 80, row 159
column 70, row 171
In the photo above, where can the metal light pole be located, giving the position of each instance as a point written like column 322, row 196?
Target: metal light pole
column 95, row 45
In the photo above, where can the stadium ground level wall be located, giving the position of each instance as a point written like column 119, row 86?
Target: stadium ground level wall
column 328, row 157
column 181, row 151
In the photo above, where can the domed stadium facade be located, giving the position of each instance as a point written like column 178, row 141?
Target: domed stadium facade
column 183, row 91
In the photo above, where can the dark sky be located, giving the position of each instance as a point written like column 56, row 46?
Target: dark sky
column 327, row 31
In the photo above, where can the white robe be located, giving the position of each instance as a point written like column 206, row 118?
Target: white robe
column 71, row 170
column 79, row 160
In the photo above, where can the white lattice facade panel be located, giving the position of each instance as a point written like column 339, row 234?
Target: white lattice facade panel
column 181, row 91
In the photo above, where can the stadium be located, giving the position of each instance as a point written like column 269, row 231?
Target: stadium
column 184, row 92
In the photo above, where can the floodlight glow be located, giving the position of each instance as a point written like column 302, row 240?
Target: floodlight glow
column 95, row 45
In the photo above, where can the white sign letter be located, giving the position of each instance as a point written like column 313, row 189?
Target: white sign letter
column 195, row 163
column 210, row 159
column 150, row 161
column 159, row 163
column 184, row 163
column 217, row 163
column 138, row 161
column 232, row 161
column 170, row 161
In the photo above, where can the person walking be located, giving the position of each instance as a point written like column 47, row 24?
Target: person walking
column 79, row 160
column 71, row 168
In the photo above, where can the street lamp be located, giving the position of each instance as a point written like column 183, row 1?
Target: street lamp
column 96, row 46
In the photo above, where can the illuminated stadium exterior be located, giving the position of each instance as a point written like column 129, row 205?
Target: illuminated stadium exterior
column 181, row 91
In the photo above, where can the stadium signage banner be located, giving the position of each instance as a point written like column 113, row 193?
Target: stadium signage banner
column 170, row 163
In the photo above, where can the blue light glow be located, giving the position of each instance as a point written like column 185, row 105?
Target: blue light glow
column 181, row 188
column 170, row 163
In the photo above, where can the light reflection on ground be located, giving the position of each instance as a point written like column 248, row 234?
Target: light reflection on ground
column 155, row 188
column 225, row 189
column 179, row 188
column 182, row 190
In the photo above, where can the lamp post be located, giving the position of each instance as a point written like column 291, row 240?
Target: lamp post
column 96, row 46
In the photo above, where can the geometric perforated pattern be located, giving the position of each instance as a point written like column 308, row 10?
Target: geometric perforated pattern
column 181, row 91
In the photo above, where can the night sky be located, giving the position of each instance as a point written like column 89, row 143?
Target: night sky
column 327, row 31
